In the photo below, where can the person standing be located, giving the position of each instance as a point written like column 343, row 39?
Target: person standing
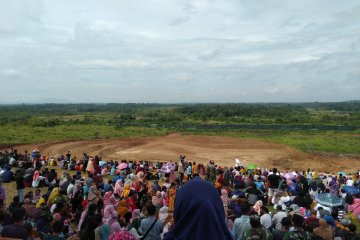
column 20, row 186
column 85, row 161
column 189, row 171
column 181, row 171
column 273, row 182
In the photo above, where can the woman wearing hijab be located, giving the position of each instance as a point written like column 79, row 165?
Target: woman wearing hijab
column 135, row 221
column 172, row 175
column 157, row 200
column 165, row 218
column 172, row 195
column 118, row 187
column 111, row 215
column 225, row 200
column 324, row 230
column 199, row 213
column 334, row 186
column 90, row 165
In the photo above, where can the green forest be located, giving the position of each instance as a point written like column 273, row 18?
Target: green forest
column 315, row 127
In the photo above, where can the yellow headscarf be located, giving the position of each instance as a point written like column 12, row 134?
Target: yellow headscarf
column 54, row 193
column 125, row 193
column 39, row 202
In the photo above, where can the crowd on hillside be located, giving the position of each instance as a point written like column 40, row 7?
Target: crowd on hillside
column 91, row 198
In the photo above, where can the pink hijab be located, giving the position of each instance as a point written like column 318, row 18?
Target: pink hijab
column 118, row 187
column 135, row 215
column 36, row 175
column 172, row 176
column 107, row 198
column 157, row 199
column 224, row 196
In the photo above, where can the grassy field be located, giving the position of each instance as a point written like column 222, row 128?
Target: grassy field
column 308, row 141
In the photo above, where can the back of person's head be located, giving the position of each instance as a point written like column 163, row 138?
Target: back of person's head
column 18, row 214
column 92, row 208
column 98, row 219
column 286, row 222
column 255, row 221
column 279, row 208
column 352, row 227
column 58, row 226
column 245, row 209
column 16, row 199
column 298, row 220
column 275, row 170
column 2, row 215
column 265, row 209
column 151, row 210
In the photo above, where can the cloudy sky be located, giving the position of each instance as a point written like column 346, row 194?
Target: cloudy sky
column 173, row 51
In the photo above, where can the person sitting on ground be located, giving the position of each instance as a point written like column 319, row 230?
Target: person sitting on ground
column 242, row 224
column 256, row 231
column 265, row 218
column 278, row 217
column 279, row 234
column 17, row 229
column 324, row 230
column 298, row 231
column 57, row 231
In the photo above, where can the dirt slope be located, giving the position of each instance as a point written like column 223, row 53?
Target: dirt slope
column 201, row 149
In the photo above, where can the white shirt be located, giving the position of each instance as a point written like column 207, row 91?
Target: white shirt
column 70, row 188
column 277, row 219
column 266, row 221
column 350, row 182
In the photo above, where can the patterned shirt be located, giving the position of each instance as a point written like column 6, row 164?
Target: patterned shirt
column 155, row 231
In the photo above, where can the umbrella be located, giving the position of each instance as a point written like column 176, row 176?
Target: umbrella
column 352, row 190
column 167, row 167
column 342, row 173
column 289, row 176
column 122, row 166
column 328, row 200
column 252, row 166
column 102, row 162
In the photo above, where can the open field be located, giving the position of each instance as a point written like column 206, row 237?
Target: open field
column 223, row 150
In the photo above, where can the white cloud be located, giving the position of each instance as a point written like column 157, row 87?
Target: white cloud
column 180, row 51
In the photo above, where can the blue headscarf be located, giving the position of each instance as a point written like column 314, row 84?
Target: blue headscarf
column 198, row 213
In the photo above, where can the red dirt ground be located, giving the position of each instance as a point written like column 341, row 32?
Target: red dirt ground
column 223, row 150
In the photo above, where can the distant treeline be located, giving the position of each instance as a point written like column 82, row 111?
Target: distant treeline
column 297, row 114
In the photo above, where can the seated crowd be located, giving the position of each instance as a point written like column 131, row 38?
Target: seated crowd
column 96, row 199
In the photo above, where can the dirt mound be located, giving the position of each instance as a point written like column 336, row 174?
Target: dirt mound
column 223, row 150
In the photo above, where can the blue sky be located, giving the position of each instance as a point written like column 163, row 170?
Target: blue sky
column 173, row 51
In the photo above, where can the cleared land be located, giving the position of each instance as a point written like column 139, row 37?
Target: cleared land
column 223, row 150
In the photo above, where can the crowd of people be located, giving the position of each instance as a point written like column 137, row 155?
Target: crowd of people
column 91, row 198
